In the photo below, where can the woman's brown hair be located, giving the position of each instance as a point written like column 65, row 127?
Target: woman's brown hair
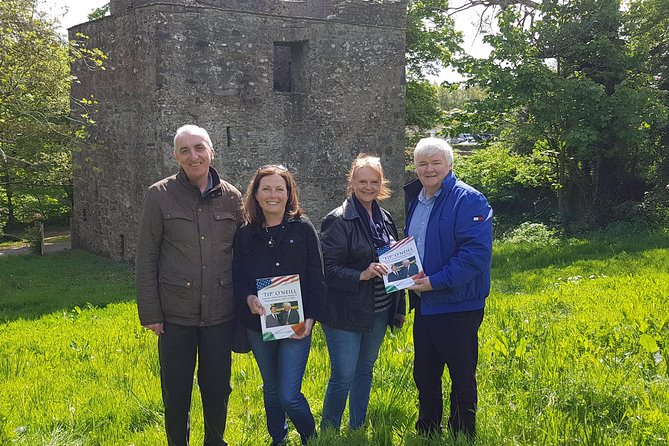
column 252, row 208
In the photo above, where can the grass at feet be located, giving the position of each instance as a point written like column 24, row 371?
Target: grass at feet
column 573, row 351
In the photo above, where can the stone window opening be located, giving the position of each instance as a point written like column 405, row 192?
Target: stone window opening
column 289, row 69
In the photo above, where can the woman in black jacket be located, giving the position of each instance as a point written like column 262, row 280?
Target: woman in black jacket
column 278, row 241
column 356, row 309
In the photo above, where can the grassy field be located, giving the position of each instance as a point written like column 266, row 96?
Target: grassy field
column 573, row 352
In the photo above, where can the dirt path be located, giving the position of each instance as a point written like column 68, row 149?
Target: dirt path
column 58, row 240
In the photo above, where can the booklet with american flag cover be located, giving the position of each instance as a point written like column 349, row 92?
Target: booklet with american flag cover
column 282, row 299
column 403, row 264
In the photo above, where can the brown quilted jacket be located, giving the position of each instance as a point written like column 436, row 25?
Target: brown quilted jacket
column 184, row 252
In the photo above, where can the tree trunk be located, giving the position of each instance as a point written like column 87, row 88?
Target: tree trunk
column 562, row 205
column 606, row 177
column 11, row 220
column 562, row 180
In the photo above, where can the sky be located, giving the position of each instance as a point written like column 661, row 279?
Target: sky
column 71, row 12
column 74, row 12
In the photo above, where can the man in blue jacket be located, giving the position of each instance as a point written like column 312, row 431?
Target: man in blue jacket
column 452, row 225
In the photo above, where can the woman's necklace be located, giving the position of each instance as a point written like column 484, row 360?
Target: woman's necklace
column 271, row 243
column 271, row 231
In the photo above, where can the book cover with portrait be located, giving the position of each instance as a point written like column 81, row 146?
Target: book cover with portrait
column 403, row 264
column 282, row 299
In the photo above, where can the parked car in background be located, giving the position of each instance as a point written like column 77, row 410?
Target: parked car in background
column 469, row 139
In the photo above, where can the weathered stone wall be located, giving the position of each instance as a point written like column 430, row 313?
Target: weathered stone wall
column 359, row 12
column 173, row 64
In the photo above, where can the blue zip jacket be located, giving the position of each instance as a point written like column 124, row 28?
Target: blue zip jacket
column 458, row 248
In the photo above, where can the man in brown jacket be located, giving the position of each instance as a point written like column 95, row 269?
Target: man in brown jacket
column 184, row 283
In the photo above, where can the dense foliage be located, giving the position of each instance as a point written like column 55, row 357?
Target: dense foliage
column 35, row 119
column 422, row 105
column 517, row 185
column 431, row 42
column 583, row 83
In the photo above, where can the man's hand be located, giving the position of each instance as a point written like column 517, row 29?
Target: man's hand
column 421, row 285
column 156, row 328
column 254, row 304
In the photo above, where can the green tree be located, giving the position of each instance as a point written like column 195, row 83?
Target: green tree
column 564, row 80
column 516, row 185
column 458, row 96
column 35, row 119
column 100, row 12
column 648, row 21
column 431, row 38
column 34, row 76
column 422, row 104
column 431, row 42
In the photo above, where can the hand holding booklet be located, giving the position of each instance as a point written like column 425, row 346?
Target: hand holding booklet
column 282, row 298
column 403, row 264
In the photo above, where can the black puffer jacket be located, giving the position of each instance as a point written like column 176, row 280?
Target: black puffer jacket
column 347, row 251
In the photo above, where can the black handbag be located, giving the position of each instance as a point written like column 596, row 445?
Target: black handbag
column 240, row 341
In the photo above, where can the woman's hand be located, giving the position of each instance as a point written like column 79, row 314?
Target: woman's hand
column 308, row 325
column 374, row 269
column 254, row 304
column 398, row 321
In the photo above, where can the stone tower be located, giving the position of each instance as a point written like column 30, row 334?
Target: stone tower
column 304, row 83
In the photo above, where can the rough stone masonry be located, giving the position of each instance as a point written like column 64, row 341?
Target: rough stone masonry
column 304, row 83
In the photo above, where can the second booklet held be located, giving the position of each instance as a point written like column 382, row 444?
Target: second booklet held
column 403, row 264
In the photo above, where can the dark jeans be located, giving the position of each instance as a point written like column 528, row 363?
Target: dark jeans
column 178, row 349
column 449, row 339
column 282, row 364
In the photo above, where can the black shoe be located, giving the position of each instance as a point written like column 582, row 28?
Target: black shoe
column 429, row 431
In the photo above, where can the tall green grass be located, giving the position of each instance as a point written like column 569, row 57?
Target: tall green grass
column 573, row 351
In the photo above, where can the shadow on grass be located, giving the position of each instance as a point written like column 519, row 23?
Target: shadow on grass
column 33, row 286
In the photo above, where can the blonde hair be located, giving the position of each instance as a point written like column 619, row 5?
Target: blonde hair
column 374, row 163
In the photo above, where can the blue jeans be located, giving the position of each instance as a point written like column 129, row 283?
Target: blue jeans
column 352, row 358
column 282, row 364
